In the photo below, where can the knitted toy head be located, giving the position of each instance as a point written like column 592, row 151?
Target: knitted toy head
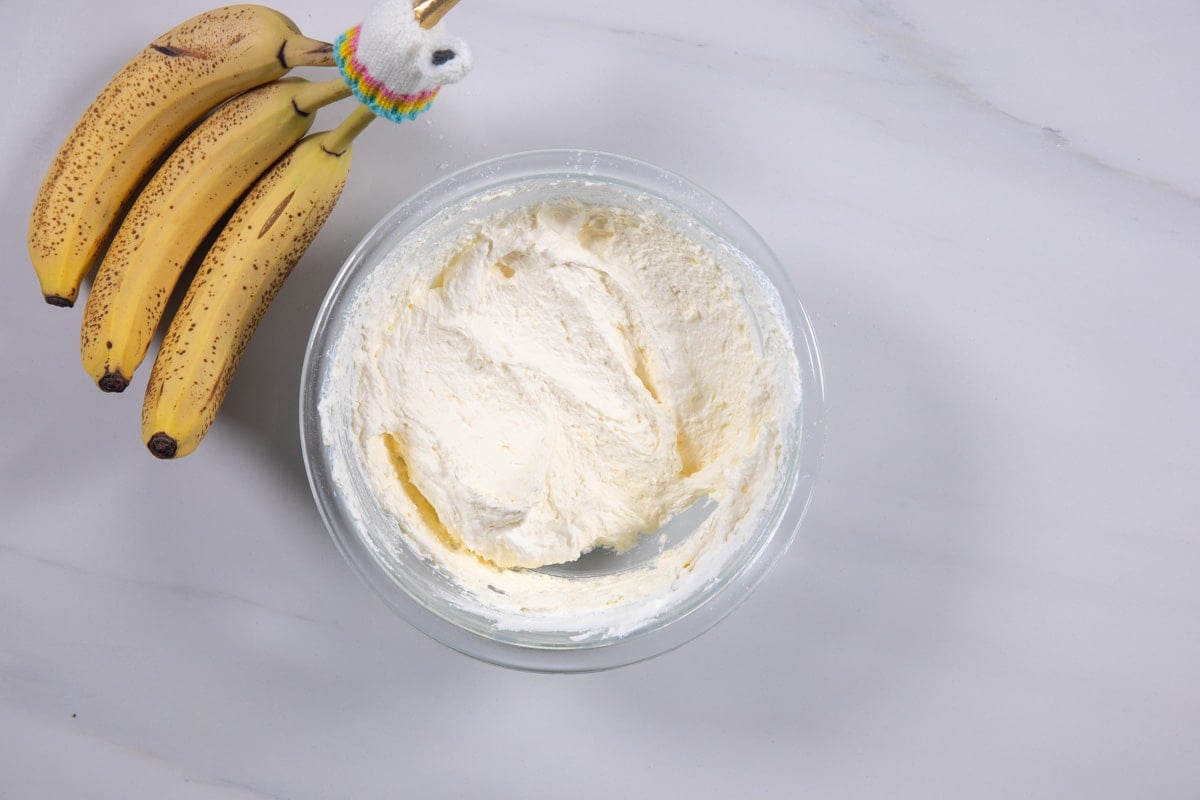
column 395, row 66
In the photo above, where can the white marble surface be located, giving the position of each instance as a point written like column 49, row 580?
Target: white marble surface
column 992, row 211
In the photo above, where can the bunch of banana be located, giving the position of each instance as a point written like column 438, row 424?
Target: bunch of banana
column 169, row 86
column 200, row 127
column 202, row 179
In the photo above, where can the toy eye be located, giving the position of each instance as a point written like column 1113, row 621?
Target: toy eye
column 442, row 56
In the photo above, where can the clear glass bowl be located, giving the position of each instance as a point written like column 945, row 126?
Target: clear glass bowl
column 407, row 581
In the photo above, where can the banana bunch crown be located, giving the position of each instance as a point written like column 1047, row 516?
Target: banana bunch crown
column 394, row 65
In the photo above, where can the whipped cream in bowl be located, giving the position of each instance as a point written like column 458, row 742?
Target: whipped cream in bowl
column 562, row 410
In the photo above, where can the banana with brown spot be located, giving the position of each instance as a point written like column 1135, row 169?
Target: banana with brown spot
column 239, row 278
column 202, row 179
column 148, row 105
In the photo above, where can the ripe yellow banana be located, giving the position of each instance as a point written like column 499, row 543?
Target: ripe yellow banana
column 149, row 104
column 239, row 277
column 201, row 180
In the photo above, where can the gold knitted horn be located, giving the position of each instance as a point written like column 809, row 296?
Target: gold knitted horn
column 430, row 12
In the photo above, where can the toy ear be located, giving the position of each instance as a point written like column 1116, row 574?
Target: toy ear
column 444, row 59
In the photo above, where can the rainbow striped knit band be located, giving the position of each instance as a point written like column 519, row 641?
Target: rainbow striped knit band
column 372, row 92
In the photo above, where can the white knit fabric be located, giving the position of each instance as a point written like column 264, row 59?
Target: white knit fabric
column 396, row 50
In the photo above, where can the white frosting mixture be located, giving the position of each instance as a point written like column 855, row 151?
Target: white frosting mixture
column 564, row 377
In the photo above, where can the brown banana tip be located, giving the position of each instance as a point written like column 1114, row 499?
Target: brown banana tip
column 162, row 445
column 113, row 382
column 59, row 300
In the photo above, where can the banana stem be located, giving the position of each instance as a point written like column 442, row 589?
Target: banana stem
column 337, row 141
column 303, row 51
column 317, row 95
